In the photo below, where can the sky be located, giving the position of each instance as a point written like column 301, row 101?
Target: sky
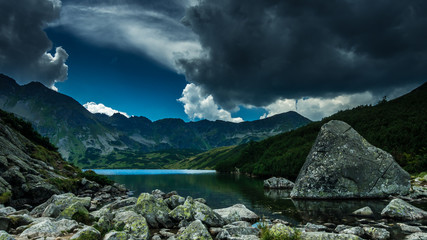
column 225, row 60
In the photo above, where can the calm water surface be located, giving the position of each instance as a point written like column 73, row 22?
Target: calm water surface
column 224, row 190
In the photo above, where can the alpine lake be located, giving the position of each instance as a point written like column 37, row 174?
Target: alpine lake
column 224, row 190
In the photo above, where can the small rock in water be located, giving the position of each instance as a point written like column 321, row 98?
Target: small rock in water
column 400, row 209
column 310, row 227
column 278, row 183
column 364, row 212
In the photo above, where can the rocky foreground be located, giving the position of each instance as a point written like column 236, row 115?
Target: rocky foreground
column 170, row 216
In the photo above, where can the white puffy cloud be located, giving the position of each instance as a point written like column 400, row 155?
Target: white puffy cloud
column 135, row 27
column 198, row 105
column 101, row 108
column 318, row 108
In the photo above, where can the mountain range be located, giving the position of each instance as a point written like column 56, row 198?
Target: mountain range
column 397, row 126
column 97, row 140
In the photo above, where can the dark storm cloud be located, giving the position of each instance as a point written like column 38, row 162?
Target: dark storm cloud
column 259, row 51
column 24, row 44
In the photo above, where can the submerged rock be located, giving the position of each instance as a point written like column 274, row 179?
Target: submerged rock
column 364, row 212
column 342, row 164
column 278, row 183
column 400, row 209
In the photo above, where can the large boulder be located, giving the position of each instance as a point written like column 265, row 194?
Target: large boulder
column 342, row 164
column 59, row 203
column 194, row 210
column 400, row 209
column 195, row 231
column 132, row 223
column 155, row 210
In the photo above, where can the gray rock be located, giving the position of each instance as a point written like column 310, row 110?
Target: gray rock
column 191, row 210
column 364, row 212
column 342, row 164
column 408, row 228
column 155, row 210
column 237, row 212
column 62, row 201
column 49, row 228
column 5, row 236
column 157, row 193
column 400, row 209
column 87, row 233
column 278, row 183
column 238, row 229
column 377, row 233
column 114, row 235
column 20, row 220
column 174, row 201
column 132, row 223
column 358, row 231
column 51, row 210
column 7, row 210
column 310, row 227
column 417, row 236
column 195, row 231
column 328, row 236
column 283, row 231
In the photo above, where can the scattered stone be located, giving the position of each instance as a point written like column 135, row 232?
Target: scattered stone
column 195, row 231
column 408, row 228
column 341, row 227
column 278, row 183
column 364, row 212
column 240, row 229
column 114, row 235
column 49, row 228
column 87, row 233
column 158, row 193
column 62, row 201
column 328, row 236
column 191, row 210
column 281, row 230
column 358, row 231
column 6, row 211
column 165, row 233
column 342, row 164
column 174, row 201
column 237, row 212
column 377, row 233
column 310, row 227
column 400, row 209
column 76, row 211
column 417, row 236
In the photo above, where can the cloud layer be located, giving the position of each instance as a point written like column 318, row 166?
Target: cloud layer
column 199, row 105
column 101, row 108
column 150, row 28
column 260, row 51
column 24, row 46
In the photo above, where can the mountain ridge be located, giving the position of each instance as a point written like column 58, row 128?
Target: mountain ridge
column 83, row 136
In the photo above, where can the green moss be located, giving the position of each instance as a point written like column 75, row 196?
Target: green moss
column 78, row 212
column 64, row 184
column 282, row 233
column 5, row 197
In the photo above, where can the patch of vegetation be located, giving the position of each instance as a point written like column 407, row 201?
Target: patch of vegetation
column 5, row 197
column 92, row 176
column 26, row 129
column 396, row 126
column 64, row 184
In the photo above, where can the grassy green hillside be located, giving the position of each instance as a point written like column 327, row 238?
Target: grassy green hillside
column 397, row 126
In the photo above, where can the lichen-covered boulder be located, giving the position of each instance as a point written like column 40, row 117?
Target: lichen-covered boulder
column 195, row 231
column 49, row 228
column 342, row 164
column 237, row 212
column 61, row 201
column 194, row 210
column 87, row 233
column 5, row 236
column 114, row 235
column 281, row 230
column 174, row 201
column 76, row 211
column 400, row 209
column 155, row 210
column 278, row 183
column 131, row 223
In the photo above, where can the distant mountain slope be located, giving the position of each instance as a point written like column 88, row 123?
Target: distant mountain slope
column 89, row 140
column 398, row 126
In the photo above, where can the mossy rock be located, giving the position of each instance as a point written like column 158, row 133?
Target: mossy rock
column 78, row 212
column 87, row 233
column 131, row 223
column 155, row 210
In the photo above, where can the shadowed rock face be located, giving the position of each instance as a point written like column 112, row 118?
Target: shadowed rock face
column 342, row 164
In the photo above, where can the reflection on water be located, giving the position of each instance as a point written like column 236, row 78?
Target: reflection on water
column 224, row 190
